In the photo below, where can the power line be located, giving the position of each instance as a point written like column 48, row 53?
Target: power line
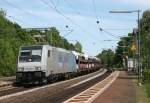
column 55, row 9
column 100, row 29
column 59, row 12
column 71, row 6
column 66, row 17
column 18, row 8
column 79, row 25
column 8, row 16
column 16, row 20
column 68, row 33
column 94, row 7
column 96, row 16
column 118, row 29
column 55, row 4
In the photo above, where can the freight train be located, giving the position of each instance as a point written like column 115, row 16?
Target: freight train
column 44, row 63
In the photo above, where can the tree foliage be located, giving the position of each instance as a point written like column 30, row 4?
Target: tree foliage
column 145, row 22
column 145, row 39
column 12, row 36
column 107, row 57
column 78, row 47
column 123, row 50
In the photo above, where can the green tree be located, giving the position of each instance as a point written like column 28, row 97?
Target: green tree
column 145, row 39
column 107, row 57
column 145, row 22
column 78, row 47
column 12, row 36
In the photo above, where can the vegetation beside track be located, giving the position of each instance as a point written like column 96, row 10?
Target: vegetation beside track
column 146, row 82
column 142, row 92
column 125, row 44
column 12, row 36
column 120, row 53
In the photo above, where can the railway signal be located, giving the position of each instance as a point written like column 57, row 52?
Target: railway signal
column 133, row 47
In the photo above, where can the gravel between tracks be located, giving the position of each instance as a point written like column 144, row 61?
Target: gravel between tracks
column 6, row 81
column 7, row 78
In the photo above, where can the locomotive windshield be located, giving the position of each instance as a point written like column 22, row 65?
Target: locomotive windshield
column 30, row 54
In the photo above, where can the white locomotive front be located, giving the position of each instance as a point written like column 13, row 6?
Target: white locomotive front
column 40, row 63
column 31, row 66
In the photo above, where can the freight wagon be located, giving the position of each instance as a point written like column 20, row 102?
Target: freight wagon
column 43, row 63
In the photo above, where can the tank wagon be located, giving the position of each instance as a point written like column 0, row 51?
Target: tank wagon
column 43, row 63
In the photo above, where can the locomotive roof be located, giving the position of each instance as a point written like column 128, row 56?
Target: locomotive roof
column 47, row 46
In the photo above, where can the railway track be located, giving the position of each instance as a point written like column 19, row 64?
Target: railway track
column 6, row 84
column 56, row 92
column 70, row 92
column 10, row 88
column 4, row 88
column 7, row 78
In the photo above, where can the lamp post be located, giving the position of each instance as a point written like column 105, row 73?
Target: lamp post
column 138, row 39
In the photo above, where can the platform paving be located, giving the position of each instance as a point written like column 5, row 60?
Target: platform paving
column 121, row 91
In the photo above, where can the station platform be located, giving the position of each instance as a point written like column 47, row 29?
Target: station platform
column 122, row 90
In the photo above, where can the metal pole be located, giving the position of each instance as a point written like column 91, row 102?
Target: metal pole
column 51, row 39
column 139, row 58
column 138, row 38
column 63, row 43
column 124, row 53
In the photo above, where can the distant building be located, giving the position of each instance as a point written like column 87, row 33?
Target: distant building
column 132, row 64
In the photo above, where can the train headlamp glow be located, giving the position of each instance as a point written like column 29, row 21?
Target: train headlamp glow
column 37, row 68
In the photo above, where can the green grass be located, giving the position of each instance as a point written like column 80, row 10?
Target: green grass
column 147, row 89
column 142, row 92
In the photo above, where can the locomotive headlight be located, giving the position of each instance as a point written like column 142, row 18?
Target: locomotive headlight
column 37, row 68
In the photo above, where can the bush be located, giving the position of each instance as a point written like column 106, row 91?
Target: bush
column 146, row 76
column 147, row 87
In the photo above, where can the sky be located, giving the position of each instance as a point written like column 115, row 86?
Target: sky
column 81, row 16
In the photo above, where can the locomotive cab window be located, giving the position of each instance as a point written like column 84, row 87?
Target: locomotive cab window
column 30, row 54
column 48, row 53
